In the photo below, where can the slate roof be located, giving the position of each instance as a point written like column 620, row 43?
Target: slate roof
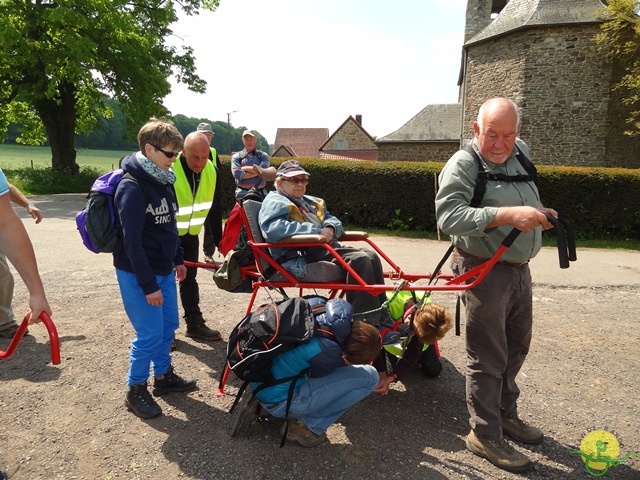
column 440, row 122
column 305, row 142
column 519, row 14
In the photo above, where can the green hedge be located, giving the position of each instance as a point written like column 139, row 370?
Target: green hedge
column 600, row 203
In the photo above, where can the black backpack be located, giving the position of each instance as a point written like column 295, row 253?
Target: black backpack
column 271, row 330
column 98, row 221
column 265, row 333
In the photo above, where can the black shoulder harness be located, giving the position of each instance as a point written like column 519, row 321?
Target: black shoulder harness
column 484, row 176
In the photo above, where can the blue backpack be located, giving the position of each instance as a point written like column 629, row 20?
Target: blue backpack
column 97, row 222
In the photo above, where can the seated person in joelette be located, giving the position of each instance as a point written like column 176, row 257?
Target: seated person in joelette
column 288, row 211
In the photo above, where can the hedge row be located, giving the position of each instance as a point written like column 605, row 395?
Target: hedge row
column 599, row 202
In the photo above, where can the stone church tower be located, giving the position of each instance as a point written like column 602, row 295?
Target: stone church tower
column 542, row 54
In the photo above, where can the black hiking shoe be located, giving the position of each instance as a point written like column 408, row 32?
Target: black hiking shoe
column 202, row 332
column 247, row 411
column 140, row 401
column 171, row 382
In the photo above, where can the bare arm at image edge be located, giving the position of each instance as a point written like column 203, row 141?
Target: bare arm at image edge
column 17, row 246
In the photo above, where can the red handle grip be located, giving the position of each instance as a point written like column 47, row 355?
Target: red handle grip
column 53, row 338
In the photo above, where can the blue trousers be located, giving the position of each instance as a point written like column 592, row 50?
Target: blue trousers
column 154, row 326
column 321, row 401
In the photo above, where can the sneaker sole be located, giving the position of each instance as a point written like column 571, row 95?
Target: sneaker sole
column 481, row 453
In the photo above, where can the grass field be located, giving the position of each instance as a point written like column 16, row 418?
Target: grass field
column 24, row 156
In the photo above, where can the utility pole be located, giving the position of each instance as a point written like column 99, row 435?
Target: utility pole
column 229, row 130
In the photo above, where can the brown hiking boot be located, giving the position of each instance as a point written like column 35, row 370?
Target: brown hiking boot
column 521, row 432
column 500, row 453
column 299, row 433
column 10, row 332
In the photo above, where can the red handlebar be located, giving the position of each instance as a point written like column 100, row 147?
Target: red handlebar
column 53, row 337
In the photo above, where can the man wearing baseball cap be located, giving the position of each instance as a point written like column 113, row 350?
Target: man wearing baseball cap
column 251, row 167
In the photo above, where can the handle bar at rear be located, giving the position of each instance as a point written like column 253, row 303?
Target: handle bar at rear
column 53, row 338
column 566, row 240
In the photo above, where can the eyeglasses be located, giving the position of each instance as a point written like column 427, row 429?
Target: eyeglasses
column 166, row 154
column 300, row 180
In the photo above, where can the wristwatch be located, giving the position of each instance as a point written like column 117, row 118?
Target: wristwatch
column 29, row 206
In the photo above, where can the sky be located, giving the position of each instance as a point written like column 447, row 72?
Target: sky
column 311, row 63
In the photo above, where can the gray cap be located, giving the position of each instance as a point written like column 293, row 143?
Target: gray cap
column 248, row 132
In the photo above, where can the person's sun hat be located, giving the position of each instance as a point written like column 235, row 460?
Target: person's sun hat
column 204, row 127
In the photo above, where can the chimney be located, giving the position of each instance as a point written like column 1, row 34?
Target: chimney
column 359, row 119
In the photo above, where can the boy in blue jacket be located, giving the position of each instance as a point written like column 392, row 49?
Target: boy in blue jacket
column 146, row 255
column 340, row 376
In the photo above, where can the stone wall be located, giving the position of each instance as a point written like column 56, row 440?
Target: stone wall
column 562, row 84
column 417, row 151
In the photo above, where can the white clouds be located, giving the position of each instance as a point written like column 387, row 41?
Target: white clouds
column 287, row 63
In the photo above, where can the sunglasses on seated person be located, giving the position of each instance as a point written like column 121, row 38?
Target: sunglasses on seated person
column 166, row 154
column 302, row 179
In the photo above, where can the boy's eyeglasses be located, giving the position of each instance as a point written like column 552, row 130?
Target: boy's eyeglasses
column 166, row 154
column 300, row 180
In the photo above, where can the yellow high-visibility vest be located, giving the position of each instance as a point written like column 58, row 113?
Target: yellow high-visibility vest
column 193, row 210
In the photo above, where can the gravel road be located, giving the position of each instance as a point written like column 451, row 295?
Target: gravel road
column 68, row 421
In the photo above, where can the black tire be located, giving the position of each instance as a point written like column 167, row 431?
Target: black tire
column 431, row 365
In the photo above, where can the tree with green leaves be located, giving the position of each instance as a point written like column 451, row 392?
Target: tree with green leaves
column 620, row 40
column 59, row 58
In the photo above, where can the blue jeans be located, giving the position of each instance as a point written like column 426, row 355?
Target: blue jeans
column 321, row 401
column 154, row 326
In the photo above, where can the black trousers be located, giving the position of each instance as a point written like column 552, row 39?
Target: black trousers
column 365, row 263
column 189, row 289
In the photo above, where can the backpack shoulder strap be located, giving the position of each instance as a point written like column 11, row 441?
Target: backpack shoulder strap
column 528, row 166
column 484, row 175
column 481, row 179
column 143, row 185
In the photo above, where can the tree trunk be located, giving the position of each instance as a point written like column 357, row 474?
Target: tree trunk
column 59, row 119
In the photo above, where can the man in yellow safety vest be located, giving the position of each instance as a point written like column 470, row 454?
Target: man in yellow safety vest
column 195, row 188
